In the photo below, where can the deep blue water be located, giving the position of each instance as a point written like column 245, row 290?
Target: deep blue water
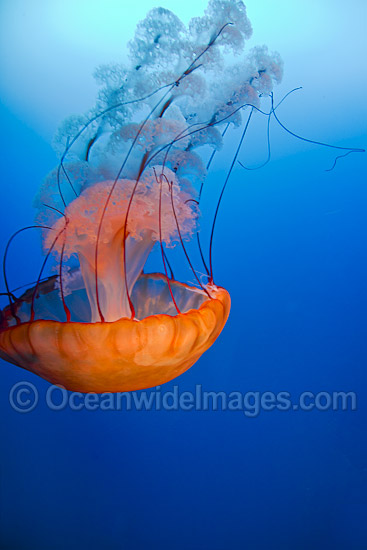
column 290, row 248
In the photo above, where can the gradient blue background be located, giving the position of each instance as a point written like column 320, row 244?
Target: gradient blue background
column 291, row 249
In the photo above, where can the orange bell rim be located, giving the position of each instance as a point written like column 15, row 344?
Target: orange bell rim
column 123, row 355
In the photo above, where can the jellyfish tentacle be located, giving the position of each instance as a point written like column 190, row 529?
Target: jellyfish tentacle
column 211, row 280
column 169, row 266
column 200, row 193
column 68, row 179
column 142, row 166
column 210, row 44
column 268, row 148
column 59, row 185
column 165, row 107
column 337, row 158
column 192, row 200
column 211, row 159
column 286, row 95
column 35, row 292
column 161, row 244
column 348, row 150
column 314, row 142
column 66, row 309
column 181, row 239
column 9, row 294
column 55, row 209
column 27, row 285
column 268, row 128
column 201, row 252
column 89, row 146
column 62, row 167
column 6, row 282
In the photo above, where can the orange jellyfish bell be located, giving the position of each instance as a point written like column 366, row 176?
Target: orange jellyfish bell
column 123, row 355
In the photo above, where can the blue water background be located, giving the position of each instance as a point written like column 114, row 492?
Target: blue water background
column 290, row 248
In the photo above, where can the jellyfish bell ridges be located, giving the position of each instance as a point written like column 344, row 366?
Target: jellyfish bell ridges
column 130, row 176
column 127, row 354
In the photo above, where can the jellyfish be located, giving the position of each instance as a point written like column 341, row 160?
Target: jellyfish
column 130, row 177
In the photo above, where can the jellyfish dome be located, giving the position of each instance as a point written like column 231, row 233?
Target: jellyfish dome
column 129, row 179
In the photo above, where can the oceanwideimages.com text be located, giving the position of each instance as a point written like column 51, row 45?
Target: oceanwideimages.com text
column 24, row 397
